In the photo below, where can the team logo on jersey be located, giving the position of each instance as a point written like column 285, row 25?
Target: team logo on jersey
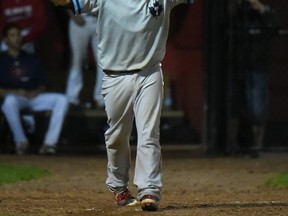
column 156, row 9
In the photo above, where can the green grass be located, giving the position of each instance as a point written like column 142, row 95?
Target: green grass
column 10, row 173
column 279, row 180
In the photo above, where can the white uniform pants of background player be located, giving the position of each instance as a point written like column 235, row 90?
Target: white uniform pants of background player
column 128, row 96
column 54, row 102
column 80, row 36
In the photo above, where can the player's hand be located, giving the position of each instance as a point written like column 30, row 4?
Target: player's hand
column 79, row 20
column 60, row 2
column 258, row 6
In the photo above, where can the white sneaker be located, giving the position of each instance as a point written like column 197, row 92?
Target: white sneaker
column 21, row 148
column 47, row 150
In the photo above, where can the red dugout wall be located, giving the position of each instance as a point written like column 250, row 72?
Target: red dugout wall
column 183, row 61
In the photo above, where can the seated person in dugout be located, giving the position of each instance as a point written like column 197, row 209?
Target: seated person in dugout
column 22, row 84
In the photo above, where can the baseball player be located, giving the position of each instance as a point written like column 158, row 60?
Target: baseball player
column 21, row 86
column 255, row 23
column 131, row 39
column 82, row 30
column 30, row 17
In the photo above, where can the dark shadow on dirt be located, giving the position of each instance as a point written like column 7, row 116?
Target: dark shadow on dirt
column 176, row 206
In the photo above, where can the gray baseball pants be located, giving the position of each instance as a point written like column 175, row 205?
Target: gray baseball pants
column 130, row 96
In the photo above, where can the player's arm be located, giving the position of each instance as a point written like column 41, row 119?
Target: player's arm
column 269, row 15
column 78, row 6
column 259, row 6
column 2, row 92
column 18, row 92
column 33, row 93
column 22, row 92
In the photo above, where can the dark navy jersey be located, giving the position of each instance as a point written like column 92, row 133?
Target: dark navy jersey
column 22, row 72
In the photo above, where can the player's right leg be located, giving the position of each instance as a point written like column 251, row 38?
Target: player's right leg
column 118, row 95
column 11, row 108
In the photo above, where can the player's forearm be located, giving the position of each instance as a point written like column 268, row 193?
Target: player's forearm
column 2, row 93
column 77, row 6
column 19, row 92
column 259, row 6
column 22, row 92
column 36, row 92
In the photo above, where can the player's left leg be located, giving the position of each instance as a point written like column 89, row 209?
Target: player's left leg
column 11, row 107
column 79, row 39
column 58, row 105
column 257, row 103
column 148, row 106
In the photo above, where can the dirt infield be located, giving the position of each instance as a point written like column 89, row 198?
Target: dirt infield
column 193, row 185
